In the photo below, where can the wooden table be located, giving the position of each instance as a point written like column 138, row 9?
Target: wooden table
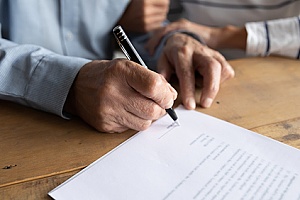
column 39, row 150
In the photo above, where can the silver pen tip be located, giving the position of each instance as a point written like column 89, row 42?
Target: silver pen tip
column 177, row 122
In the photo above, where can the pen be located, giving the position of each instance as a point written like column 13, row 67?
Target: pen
column 131, row 54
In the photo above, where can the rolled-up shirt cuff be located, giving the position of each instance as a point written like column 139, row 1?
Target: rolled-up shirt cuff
column 256, row 39
column 51, row 81
column 280, row 37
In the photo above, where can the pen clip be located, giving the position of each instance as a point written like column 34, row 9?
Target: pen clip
column 122, row 40
column 124, row 50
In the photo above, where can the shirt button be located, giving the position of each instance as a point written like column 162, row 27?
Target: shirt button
column 69, row 36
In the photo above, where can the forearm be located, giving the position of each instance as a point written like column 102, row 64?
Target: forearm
column 36, row 77
column 280, row 37
column 216, row 37
column 229, row 37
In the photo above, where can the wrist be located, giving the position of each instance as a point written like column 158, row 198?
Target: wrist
column 229, row 37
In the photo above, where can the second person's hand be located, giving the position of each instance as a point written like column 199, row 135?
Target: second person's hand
column 185, row 56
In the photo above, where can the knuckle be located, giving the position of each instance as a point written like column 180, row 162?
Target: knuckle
column 109, row 123
column 156, row 82
column 162, row 77
column 118, row 63
column 102, row 112
column 105, row 91
column 145, row 124
column 228, row 71
column 184, row 50
column 116, row 66
column 214, row 88
column 218, row 54
column 106, row 128
column 214, row 64
column 183, row 22
column 103, row 124
column 153, row 112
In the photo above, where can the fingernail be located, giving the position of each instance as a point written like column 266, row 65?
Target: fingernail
column 207, row 102
column 191, row 104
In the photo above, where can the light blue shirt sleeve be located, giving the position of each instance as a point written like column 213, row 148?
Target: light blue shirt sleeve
column 29, row 73
column 44, row 44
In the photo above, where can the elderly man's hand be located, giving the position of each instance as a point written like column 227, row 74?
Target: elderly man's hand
column 117, row 95
column 185, row 56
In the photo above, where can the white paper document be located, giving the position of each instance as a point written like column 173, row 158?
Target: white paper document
column 203, row 158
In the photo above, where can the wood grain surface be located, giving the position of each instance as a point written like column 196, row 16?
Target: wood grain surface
column 39, row 150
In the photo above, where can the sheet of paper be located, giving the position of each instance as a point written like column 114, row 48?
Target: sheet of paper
column 203, row 158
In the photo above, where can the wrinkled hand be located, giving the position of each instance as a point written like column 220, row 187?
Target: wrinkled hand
column 144, row 15
column 116, row 95
column 184, row 56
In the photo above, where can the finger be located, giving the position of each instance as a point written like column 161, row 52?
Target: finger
column 109, row 123
column 164, row 67
column 227, row 71
column 211, row 72
column 131, row 121
column 150, row 84
column 121, row 116
column 142, row 107
column 140, row 124
column 185, row 74
column 117, row 129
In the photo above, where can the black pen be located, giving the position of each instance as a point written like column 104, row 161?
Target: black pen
column 131, row 54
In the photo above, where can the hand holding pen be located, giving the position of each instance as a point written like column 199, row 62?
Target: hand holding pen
column 131, row 54
column 116, row 95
